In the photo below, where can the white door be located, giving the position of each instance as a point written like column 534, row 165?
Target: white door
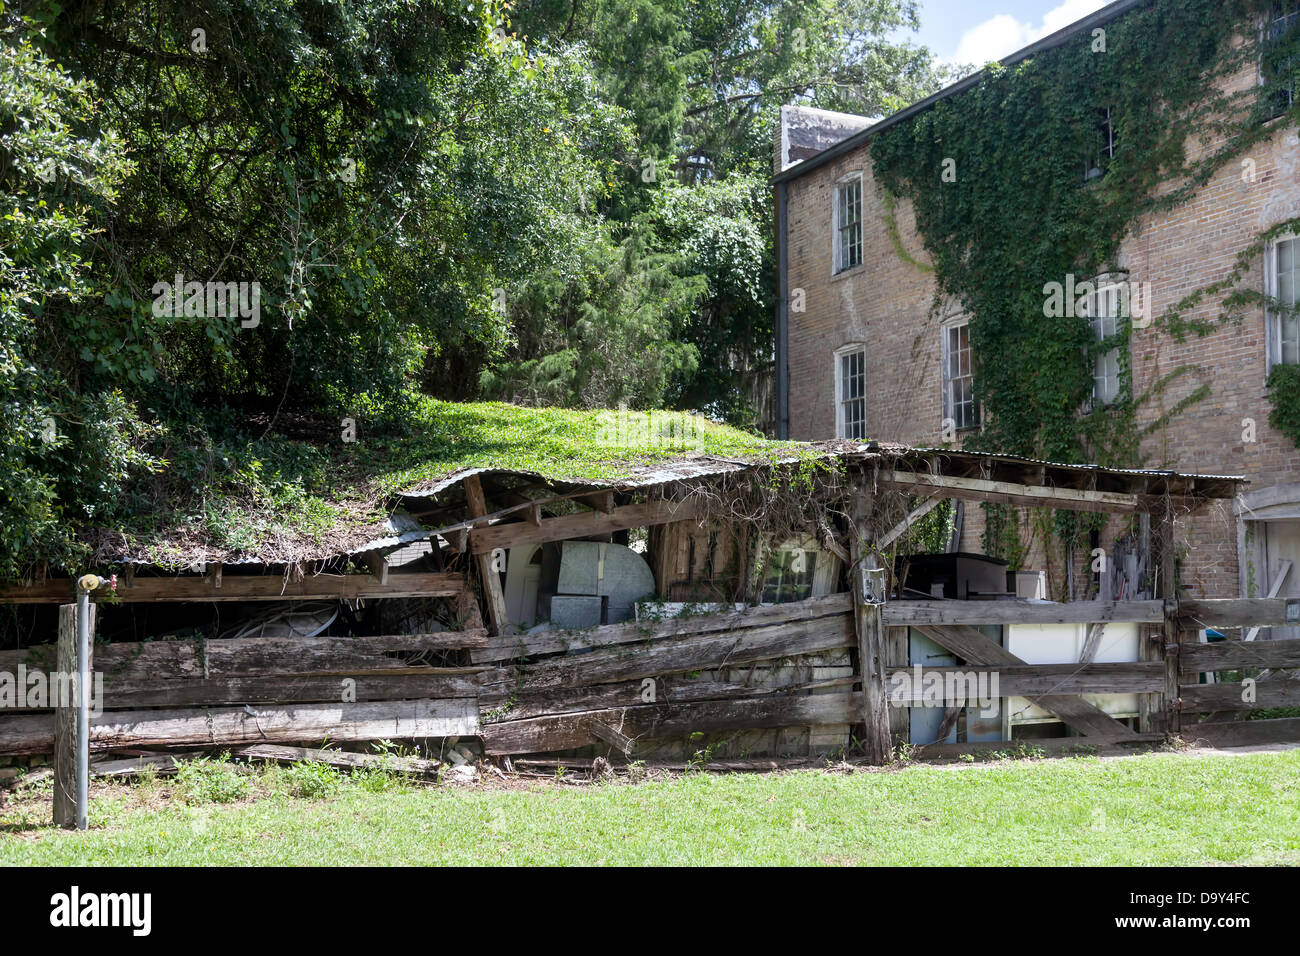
column 1282, row 555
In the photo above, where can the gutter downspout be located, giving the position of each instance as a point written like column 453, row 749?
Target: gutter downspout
column 782, row 319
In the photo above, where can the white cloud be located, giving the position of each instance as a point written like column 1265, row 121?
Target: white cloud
column 1004, row 34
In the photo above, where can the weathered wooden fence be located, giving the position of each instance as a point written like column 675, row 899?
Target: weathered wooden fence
column 660, row 688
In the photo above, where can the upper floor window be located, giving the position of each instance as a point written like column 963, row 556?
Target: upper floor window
column 851, row 393
column 1102, row 308
column 958, row 377
column 1103, row 150
column 848, row 222
column 1282, row 278
column 1277, row 66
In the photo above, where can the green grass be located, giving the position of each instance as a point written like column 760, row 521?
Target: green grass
column 1154, row 809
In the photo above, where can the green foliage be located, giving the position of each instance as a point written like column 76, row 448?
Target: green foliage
column 1020, row 215
column 431, row 199
column 65, row 451
column 211, row 780
column 312, row 779
column 1284, row 394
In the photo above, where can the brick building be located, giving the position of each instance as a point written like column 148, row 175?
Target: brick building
column 863, row 350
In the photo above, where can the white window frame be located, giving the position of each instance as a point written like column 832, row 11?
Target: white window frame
column 950, row 406
column 842, row 417
column 1103, row 307
column 1265, row 28
column 838, row 263
column 1092, row 165
column 1274, row 348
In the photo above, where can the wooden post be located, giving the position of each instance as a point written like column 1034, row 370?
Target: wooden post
column 900, row 726
column 1167, row 589
column 868, row 598
column 65, row 715
column 498, row 618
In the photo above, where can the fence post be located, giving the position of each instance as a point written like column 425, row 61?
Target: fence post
column 1167, row 585
column 66, row 678
column 869, row 582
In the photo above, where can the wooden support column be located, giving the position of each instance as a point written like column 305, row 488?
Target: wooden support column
column 65, row 714
column 868, row 599
column 490, row 579
column 1166, row 586
column 900, row 725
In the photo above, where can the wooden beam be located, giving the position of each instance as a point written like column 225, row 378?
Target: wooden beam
column 489, row 578
column 1243, row 733
column 132, row 693
column 1235, row 655
column 377, row 562
column 1211, row 698
column 517, row 534
column 65, row 717
column 1091, row 643
column 934, row 613
column 250, row 656
column 518, row 646
column 604, row 732
column 1239, row 612
column 1039, row 496
column 660, row 721
column 916, row 515
column 223, row 727
column 602, row 501
column 704, row 652
column 1034, row 680
column 868, row 626
column 1048, row 745
column 1279, row 579
column 314, row 587
column 976, row 648
column 1166, row 588
column 502, row 703
column 342, row 759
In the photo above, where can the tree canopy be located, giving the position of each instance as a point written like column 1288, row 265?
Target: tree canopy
column 550, row 202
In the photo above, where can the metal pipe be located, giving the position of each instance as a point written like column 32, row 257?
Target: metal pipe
column 85, row 585
column 782, row 349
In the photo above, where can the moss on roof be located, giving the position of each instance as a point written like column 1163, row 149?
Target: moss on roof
column 278, row 498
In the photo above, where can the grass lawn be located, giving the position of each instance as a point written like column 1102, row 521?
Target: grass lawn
column 1152, row 809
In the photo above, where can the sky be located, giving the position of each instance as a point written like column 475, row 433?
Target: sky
column 977, row 31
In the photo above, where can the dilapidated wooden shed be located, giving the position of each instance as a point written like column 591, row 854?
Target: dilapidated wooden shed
column 695, row 607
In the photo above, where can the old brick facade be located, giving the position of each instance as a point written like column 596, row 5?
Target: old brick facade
column 887, row 305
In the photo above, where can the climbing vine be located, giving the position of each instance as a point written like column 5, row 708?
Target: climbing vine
column 996, row 178
column 1036, row 175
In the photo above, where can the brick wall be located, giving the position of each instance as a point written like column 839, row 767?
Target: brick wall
column 887, row 304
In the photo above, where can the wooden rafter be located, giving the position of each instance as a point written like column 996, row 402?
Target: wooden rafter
column 262, row 587
column 516, row 534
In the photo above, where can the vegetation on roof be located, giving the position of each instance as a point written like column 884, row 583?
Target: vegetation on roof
column 312, row 485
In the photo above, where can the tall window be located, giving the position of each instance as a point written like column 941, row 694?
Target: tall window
column 958, row 379
column 1283, row 323
column 1102, row 310
column 848, row 223
column 851, row 393
column 1276, row 67
column 1103, row 151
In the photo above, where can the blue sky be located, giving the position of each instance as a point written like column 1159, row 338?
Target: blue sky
column 976, row 31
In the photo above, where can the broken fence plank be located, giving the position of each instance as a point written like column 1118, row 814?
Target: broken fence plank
column 342, row 758
column 510, row 647
column 689, row 654
column 224, row 727
column 652, row 721
column 251, row 656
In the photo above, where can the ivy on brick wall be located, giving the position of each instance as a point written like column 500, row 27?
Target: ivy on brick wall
column 1284, row 393
column 1040, row 171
